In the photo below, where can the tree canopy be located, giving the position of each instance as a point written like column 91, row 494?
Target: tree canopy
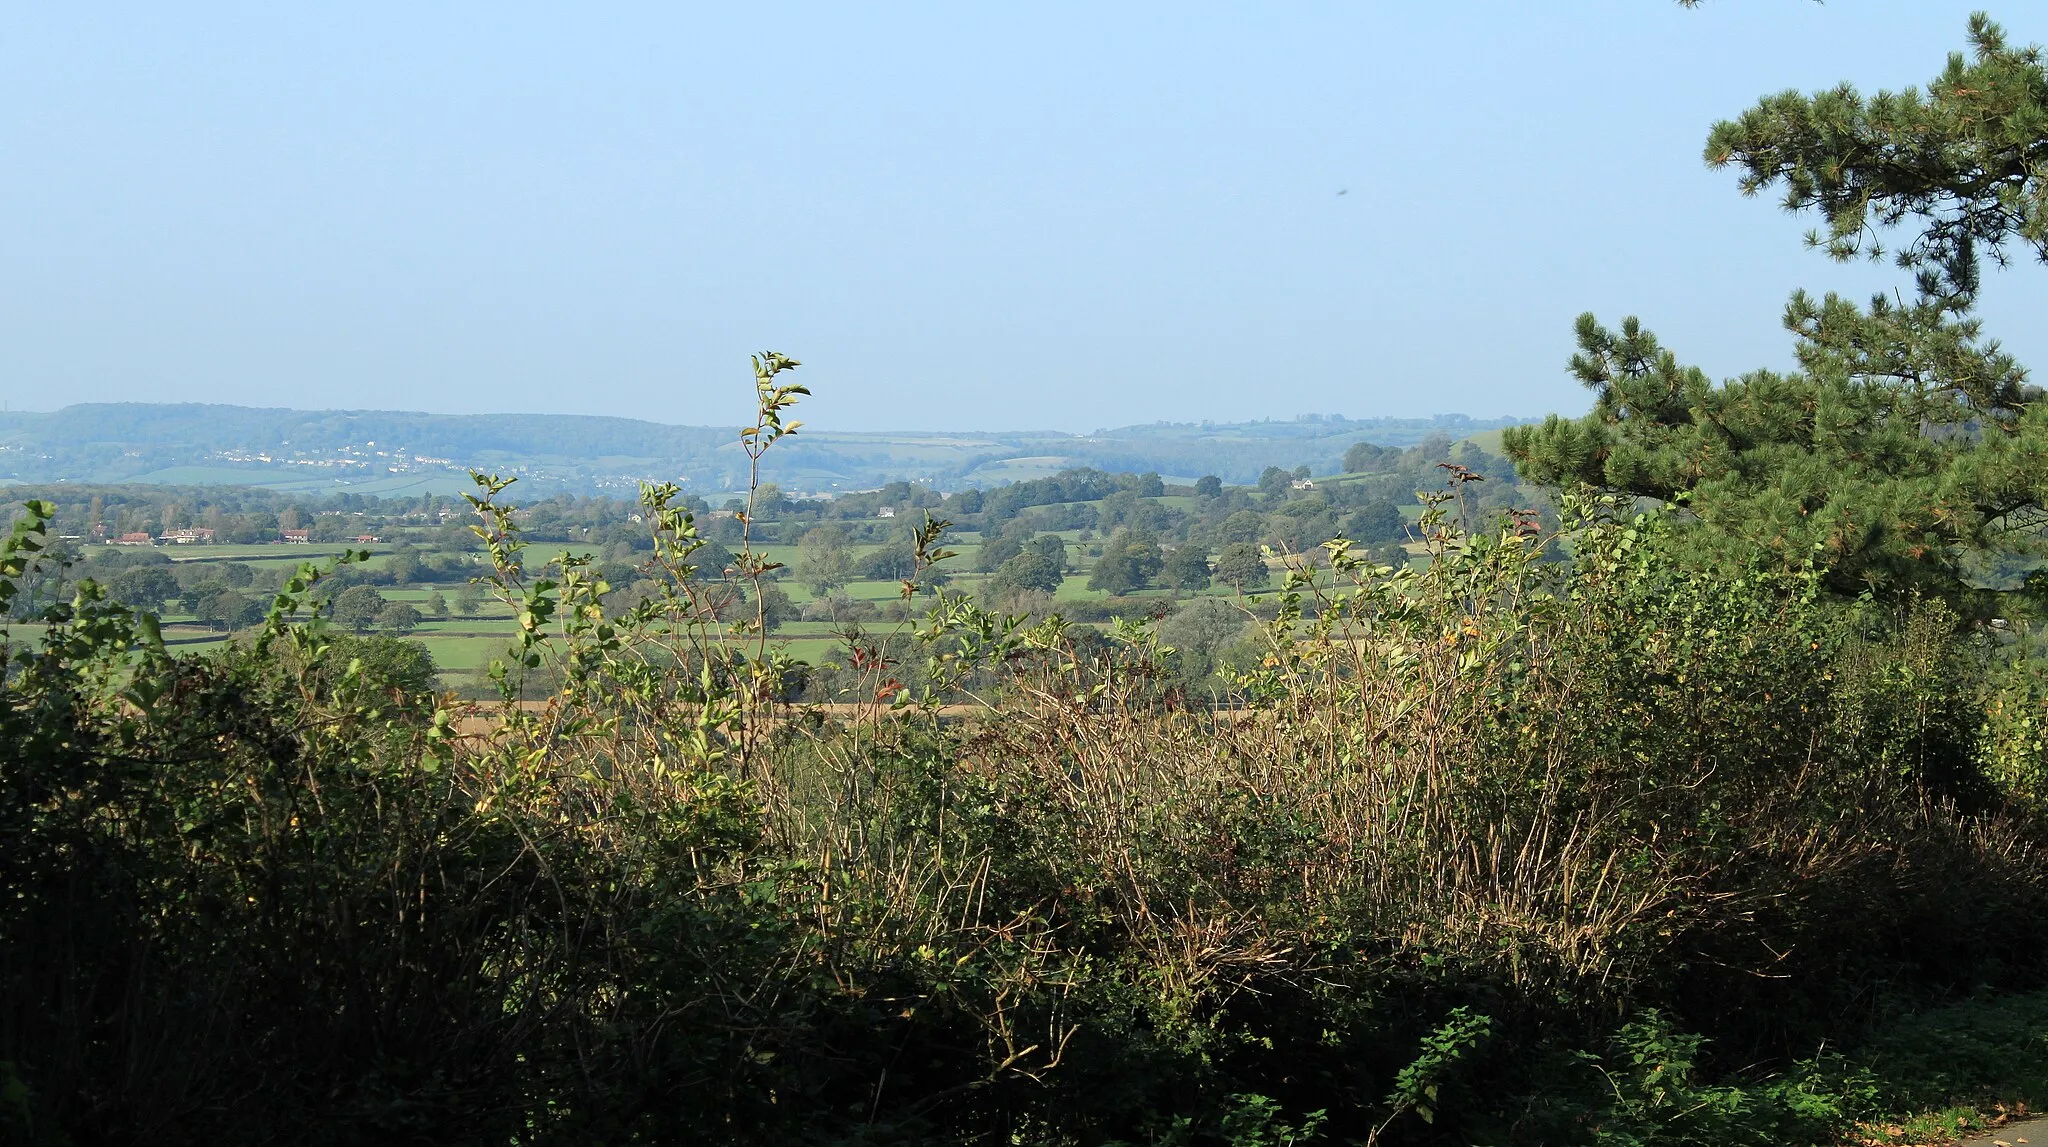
column 823, row 561
column 1030, row 570
column 1187, row 567
column 1962, row 167
column 1241, row 565
column 144, row 587
column 398, row 617
column 357, row 607
column 1906, row 441
column 1130, row 559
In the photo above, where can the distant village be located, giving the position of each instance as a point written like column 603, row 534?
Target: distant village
column 203, row 536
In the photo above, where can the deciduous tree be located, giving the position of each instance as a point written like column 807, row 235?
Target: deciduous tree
column 398, row 617
column 1241, row 565
column 1129, row 561
column 1376, row 521
column 1187, row 567
column 823, row 561
column 1030, row 570
column 1051, row 547
column 144, row 587
column 357, row 607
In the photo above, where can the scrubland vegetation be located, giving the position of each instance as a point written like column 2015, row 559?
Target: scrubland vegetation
column 1489, row 845
column 1693, row 798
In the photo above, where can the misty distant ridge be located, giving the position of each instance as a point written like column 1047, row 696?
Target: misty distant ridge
column 404, row 452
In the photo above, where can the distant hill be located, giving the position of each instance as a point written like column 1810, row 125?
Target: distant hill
column 398, row 452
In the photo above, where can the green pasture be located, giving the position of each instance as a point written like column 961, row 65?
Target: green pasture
column 1022, row 469
column 313, row 482
column 1487, row 440
column 319, row 551
column 463, row 646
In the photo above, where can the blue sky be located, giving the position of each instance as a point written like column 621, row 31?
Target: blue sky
column 1047, row 216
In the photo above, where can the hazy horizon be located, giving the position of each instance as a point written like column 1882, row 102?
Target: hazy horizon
column 1066, row 218
column 1299, row 417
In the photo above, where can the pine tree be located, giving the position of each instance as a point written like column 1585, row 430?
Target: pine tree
column 1906, row 440
column 1965, row 162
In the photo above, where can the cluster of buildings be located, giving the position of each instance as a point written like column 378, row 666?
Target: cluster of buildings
column 197, row 535
column 364, row 457
column 202, row 535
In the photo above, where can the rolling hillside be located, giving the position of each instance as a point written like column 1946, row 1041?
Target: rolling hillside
column 397, row 452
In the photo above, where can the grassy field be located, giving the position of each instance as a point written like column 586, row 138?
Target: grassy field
column 311, row 552
column 388, row 485
column 463, row 646
column 1487, row 440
